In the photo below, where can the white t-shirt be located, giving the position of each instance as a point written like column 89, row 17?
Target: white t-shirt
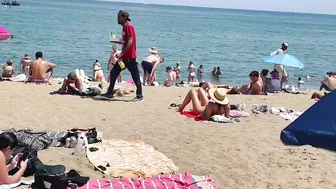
column 277, row 52
column 276, row 85
column 278, row 67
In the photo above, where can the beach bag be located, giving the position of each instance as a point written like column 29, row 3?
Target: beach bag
column 34, row 140
column 91, row 134
column 54, row 177
column 34, row 163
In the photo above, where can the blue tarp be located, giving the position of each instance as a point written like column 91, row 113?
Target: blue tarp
column 315, row 127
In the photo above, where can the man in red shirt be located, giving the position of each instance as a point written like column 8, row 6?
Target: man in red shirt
column 127, row 55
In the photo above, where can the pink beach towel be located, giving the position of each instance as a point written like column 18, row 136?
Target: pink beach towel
column 233, row 113
column 176, row 181
column 237, row 114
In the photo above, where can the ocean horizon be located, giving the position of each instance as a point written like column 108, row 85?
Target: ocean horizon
column 225, row 8
column 73, row 34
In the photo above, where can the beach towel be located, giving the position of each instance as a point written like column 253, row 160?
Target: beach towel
column 167, row 181
column 223, row 119
column 192, row 115
column 123, row 159
column 237, row 113
column 21, row 182
column 286, row 114
column 233, row 113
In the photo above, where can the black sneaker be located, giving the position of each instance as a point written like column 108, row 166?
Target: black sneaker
column 106, row 95
column 138, row 99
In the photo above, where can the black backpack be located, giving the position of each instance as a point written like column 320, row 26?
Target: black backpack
column 54, row 177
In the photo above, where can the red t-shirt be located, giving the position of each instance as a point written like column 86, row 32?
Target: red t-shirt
column 128, row 31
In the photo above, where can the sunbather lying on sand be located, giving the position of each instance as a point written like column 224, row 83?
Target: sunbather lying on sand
column 318, row 95
column 207, row 102
column 123, row 91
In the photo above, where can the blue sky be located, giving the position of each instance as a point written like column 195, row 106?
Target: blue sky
column 310, row 6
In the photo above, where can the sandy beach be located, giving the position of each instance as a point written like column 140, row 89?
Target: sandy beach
column 243, row 155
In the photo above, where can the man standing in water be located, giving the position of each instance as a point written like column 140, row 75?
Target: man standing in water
column 127, row 55
column 279, row 67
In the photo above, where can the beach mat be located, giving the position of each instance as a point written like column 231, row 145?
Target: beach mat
column 192, row 115
column 167, row 181
column 123, row 159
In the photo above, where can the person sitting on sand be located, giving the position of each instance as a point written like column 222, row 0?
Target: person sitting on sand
column 8, row 70
column 98, row 74
column 200, row 71
column 255, row 87
column 112, row 61
column 266, row 81
column 171, row 80
column 72, row 84
column 39, row 69
column 319, row 95
column 8, row 142
column 275, row 82
column 191, row 69
column 207, row 103
column 24, row 65
column 148, row 65
column 177, row 70
column 329, row 82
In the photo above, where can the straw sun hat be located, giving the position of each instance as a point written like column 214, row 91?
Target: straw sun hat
column 218, row 95
column 153, row 50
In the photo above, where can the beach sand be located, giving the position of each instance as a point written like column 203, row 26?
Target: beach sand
column 247, row 155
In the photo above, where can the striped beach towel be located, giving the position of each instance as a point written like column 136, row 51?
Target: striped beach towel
column 176, row 181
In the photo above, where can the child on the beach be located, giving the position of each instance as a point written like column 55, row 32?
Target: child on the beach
column 8, row 70
column 171, row 80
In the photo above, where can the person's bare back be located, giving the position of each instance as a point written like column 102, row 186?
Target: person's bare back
column 331, row 82
column 39, row 67
column 256, row 88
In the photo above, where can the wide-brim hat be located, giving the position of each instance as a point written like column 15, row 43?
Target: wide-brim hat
column 218, row 95
column 153, row 50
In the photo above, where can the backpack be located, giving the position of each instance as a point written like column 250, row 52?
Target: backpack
column 54, row 177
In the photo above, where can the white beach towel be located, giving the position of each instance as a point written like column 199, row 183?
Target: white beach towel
column 21, row 182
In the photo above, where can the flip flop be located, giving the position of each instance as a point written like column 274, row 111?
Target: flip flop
column 173, row 105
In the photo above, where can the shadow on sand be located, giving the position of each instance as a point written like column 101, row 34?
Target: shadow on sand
column 103, row 98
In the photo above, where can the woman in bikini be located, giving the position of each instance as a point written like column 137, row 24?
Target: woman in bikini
column 8, row 142
column 207, row 102
column 191, row 69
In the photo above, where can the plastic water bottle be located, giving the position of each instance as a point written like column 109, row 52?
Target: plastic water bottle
column 79, row 146
column 67, row 142
column 73, row 142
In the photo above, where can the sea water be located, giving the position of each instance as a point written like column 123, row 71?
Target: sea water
column 73, row 34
